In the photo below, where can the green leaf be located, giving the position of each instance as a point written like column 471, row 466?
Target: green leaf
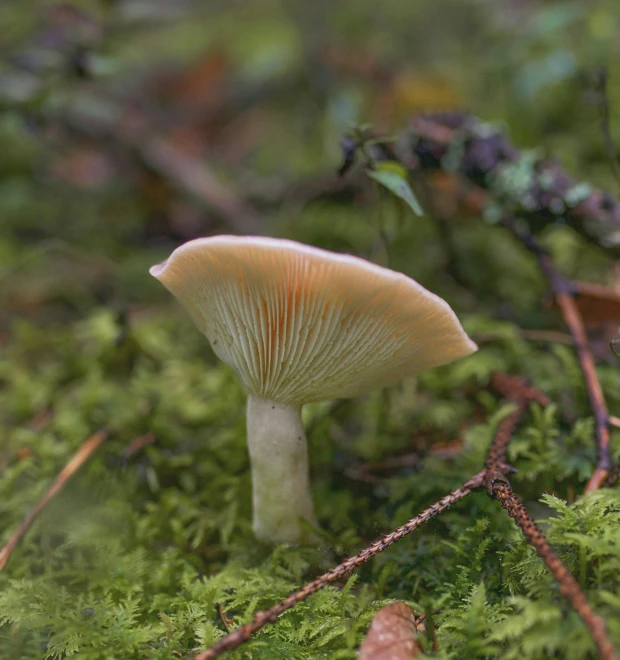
column 393, row 176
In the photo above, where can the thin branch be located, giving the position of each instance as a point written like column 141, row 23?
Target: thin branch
column 137, row 445
column 550, row 336
column 493, row 477
column 564, row 295
column 243, row 634
column 196, row 178
column 569, row 586
column 481, row 153
column 614, row 421
column 179, row 168
column 76, row 462
column 499, row 488
column 602, row 98
column 574, row 321
column 516, row 390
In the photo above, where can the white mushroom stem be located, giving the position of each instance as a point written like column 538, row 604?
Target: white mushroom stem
column 280, row 477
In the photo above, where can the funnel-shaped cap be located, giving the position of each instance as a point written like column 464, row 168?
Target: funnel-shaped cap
column 300, row 324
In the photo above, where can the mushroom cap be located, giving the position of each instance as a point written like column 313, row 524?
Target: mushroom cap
column 301, row 324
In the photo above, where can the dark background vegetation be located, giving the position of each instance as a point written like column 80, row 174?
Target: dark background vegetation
column 130, row 126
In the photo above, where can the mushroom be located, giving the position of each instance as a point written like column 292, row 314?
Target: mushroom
column 300, row 324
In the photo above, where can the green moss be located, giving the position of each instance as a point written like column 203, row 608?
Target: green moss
column 134, row 556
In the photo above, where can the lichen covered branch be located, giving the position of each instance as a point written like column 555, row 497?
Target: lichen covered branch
column 518, row 181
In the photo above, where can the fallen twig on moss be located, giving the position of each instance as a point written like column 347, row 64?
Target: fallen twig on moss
column 569, row 587
column 177, row 167
column 524, row 185
column 243, row 633
column 493, row 478
column 499, row 488
column 564, row 295
column 137, row 445
column 76, row 462
column 195, row 177
column 519, row 392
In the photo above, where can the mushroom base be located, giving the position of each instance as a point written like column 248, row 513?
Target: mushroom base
column 280, row 476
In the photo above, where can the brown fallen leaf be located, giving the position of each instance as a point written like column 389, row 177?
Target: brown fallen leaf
column 597, row 303
column 599, row 306
column 392, row 635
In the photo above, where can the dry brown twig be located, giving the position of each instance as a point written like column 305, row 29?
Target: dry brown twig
column 564, row 295
column 196, row 178
column 594, row 213
column 517, row 391
column 87, row 449
column 498, row 487
column 493, row 477
column 243, row 633
column 181, row 169
column 569, row 586
column 137, row 445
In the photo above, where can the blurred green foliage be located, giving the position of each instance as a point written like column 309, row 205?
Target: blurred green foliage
column 132, row 559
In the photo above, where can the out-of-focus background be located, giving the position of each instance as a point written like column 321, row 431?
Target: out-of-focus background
column 130, row 126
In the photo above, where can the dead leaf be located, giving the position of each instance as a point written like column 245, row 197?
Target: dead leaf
column 599, row 307
column 392, row 635
column 597, row 303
